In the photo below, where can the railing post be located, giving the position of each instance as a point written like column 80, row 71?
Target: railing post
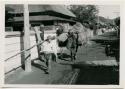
column 27, row 39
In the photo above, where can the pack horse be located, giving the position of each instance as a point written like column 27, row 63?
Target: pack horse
column 69, row 40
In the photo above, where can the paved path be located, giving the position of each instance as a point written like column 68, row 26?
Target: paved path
column 94, row 54
column 95, row 67
column 63, row 71
column 38, row 76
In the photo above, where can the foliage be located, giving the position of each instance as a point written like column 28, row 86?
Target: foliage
column 117, row 21
column 86, row 14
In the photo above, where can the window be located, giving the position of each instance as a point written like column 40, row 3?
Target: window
column 8, row 29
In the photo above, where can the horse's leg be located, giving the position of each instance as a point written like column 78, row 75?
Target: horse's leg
column 71, row 54
column 76, row 49
column 74, row 54
column 72, row 58
column 61, row 53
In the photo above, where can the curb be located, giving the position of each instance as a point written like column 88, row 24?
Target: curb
column 74, row 76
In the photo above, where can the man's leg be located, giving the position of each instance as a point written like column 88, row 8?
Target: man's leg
column 48, row 61
column 56, row 57
column 42, row 57
column 73, row 54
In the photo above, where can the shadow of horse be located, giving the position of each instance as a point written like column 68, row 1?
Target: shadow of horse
column 64, row 56
column 39, row 64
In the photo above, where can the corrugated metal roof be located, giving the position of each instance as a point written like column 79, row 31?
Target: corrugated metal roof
column 18, row 8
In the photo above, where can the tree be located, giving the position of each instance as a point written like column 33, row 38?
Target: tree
column 86, row 14
column 117, row 21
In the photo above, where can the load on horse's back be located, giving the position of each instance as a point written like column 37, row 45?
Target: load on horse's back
column 84, row 34
column 61, row 37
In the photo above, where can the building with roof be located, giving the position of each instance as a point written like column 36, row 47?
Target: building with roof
column 39, row 14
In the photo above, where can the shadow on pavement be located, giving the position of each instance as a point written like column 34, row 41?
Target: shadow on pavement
column 97, row 75
column 64, row 56
column 39, row 65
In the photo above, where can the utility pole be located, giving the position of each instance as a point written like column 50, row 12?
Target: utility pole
column 27, row 54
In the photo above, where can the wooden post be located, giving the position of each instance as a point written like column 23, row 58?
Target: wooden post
column 42, row 31
column 38, row 40
column 27, row 39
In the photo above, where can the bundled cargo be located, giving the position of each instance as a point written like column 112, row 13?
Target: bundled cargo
column 78, row 27
column 84, row 33
column 62, row 37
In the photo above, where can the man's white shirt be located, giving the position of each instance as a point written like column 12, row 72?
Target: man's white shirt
column 49, row 47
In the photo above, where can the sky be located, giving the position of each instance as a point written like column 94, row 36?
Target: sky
column 109, row 11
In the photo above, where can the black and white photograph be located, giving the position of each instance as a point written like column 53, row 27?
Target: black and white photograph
column 61, row 88
column 62, row 44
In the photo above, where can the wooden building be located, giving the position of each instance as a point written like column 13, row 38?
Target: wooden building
column 48, row 15
column 39, row 14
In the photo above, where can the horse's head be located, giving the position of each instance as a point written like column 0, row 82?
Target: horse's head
column 71, row 33
column 76, row 35
column 59, row 30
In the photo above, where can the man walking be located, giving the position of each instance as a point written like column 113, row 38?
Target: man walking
column 46, row 51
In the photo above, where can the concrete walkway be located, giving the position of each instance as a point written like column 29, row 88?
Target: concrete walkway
column 58, row 74
column 63, row 71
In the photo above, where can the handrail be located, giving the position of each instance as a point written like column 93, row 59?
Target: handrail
column 24, row 50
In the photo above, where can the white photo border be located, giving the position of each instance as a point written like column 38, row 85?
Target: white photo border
column 64, row 2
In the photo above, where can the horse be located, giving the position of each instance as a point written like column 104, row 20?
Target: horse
column 71, row 43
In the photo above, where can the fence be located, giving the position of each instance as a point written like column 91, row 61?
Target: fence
column 19, row 53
